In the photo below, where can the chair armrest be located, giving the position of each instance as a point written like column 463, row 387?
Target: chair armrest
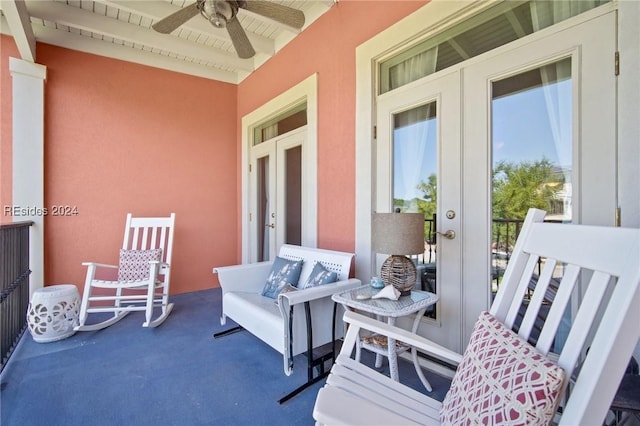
column 286, row 301
column 99, row 265
column 248, row 278
column 357, row 321
column 326, row 290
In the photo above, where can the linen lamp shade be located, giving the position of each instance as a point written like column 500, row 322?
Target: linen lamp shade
column 398, row 234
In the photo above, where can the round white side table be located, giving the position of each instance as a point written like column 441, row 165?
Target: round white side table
column 53, row 312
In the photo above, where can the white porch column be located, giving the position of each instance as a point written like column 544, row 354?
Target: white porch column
column 28, row 158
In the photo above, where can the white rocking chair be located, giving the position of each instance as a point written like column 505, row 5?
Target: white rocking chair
column 143, row 275
column 507, row 377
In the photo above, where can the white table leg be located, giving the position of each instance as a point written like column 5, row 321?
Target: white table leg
column 378, row 363
column 393, row 354
column 414, row 352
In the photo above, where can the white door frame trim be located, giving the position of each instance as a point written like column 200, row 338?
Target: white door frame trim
column 307, row 89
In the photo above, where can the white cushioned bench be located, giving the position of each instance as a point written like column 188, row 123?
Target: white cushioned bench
column 269, row 320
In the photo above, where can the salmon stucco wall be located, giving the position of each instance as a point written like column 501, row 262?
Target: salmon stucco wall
column 7, row 49
column 328, row 48
column 121, row 137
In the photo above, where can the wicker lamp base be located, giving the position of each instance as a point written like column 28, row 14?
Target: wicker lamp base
column 400, row 272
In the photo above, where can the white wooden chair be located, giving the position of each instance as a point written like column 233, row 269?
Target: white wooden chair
column 602, row 264
column 143, row 275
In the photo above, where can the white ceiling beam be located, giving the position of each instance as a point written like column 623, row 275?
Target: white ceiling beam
column 459, row 48
column 85, row 20
column 157, row 10
column 98, row 47
column 515, row 23
column 17, row 18
column 252, row 15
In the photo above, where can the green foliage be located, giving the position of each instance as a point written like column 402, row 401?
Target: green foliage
column 429, row 202
column 517, row 187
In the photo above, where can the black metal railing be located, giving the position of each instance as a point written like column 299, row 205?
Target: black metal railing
column 14, row 285
column 504, row 235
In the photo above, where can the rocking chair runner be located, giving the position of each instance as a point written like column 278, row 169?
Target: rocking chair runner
column 143, row 275
column 502, row 378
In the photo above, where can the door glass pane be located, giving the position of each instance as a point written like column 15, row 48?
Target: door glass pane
column 415, row 180
column 532, row 153
column 262, row 202
column 293, row 195
column 291, row 119
column 496, row 26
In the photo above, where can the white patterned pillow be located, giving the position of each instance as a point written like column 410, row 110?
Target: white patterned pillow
column 502, row 379
column 134, row 264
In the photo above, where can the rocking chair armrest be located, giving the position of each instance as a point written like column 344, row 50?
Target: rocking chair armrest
column 357, row 321
column 99, row 265
column 326, row 290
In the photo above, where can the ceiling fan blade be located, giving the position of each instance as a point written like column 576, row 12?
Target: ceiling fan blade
column 173, row 21
column 239, row 39
column 283, row 14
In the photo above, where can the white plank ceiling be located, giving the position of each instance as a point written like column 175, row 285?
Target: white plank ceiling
column 121, row 29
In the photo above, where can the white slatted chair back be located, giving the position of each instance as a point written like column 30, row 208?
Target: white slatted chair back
column 600, row 268
column 146, row 233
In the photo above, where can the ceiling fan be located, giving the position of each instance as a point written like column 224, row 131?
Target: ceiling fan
column 223, row 14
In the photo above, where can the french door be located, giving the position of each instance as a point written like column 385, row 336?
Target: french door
column 276, row 188
column 548, row 101
column 419, row 131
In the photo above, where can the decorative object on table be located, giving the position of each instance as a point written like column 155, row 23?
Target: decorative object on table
column 398, row 234
column 388, row 292
column 53, row 312
column 377, row 283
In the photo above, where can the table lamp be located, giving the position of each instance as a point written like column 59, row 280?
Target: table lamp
column 398, row 234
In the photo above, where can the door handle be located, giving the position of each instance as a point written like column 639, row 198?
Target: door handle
column 271, row 225
column 449, row 234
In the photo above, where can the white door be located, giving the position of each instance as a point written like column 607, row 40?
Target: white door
column 276, row 188
column 418, row 152
column 569, row 109
column 568, row 69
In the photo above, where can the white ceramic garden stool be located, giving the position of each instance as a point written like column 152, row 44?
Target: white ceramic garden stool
column 53, row 312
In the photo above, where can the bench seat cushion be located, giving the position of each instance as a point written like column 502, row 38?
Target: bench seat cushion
column 264, row 320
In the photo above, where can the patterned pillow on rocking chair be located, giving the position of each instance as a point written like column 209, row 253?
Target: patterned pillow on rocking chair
column 134, row 264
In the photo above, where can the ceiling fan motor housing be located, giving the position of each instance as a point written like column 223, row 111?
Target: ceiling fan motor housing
column 218, row 12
